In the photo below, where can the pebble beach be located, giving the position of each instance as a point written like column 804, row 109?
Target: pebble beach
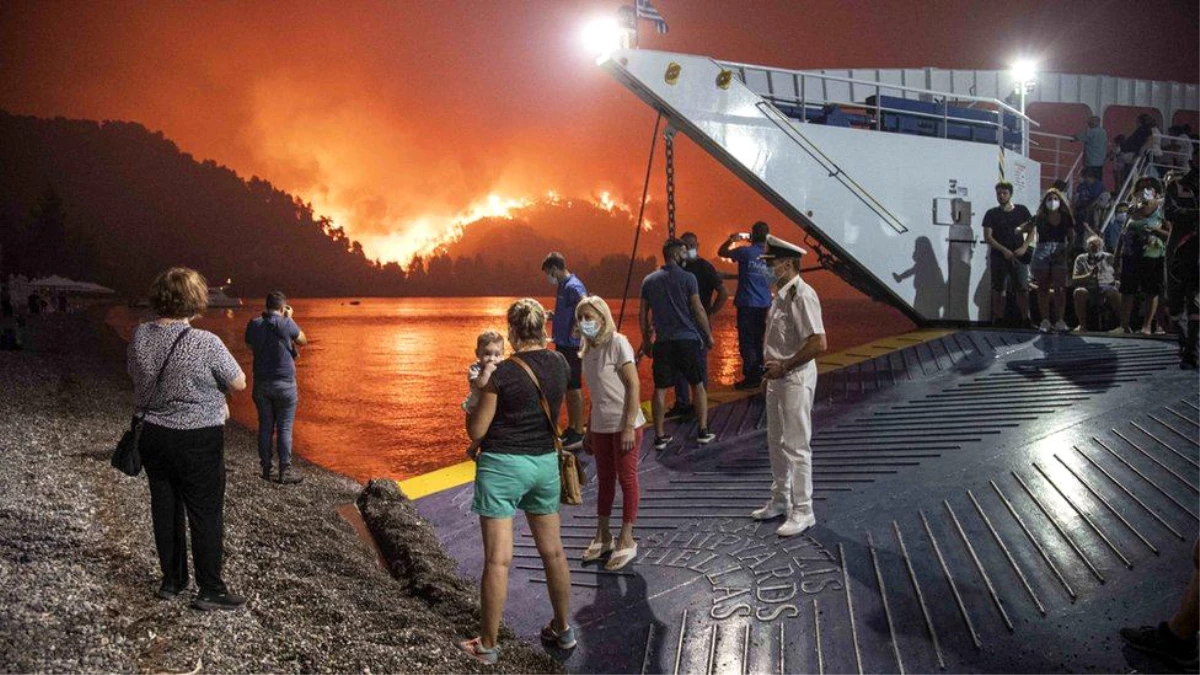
column 78, row 569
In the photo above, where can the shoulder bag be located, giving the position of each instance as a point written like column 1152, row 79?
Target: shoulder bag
column 127, row 458
column 570, row 471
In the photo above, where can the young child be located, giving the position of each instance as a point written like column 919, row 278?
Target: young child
column 489, row 349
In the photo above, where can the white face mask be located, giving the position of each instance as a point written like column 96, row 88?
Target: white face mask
column 589, row 328
column 692, row 254
column 1148, row 194
column 1053, row 204
column 1120, row 217
column 551, row 279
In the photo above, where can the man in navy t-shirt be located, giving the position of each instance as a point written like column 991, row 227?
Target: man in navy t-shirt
column 674, row 329
column 753, row 299
column 273, row 337
column 566, row 341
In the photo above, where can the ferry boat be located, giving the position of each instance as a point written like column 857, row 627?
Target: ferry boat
column 987, row 500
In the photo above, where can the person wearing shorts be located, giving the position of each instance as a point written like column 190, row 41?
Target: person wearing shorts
column 518, row 469
column 1054, row 225
column 1006, row 259
column 1094, row 281
column 569, row 290
column 674, row 326
column 1143, row 251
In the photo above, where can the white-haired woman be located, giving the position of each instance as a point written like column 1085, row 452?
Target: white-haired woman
column 614, row 429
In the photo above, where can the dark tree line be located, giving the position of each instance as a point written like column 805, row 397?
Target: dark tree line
column 115, row 203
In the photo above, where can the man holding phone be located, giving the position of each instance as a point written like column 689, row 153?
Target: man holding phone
column 273, row 337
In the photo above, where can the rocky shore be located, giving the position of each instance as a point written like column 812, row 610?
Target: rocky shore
column 78, row 568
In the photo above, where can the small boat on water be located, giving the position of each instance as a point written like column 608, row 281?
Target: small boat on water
column 218, row 298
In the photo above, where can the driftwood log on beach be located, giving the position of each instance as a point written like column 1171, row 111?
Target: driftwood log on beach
column 78, row 569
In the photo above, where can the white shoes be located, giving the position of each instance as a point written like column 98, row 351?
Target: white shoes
column 1060, row 326
column 796, row 523
column 1044, row 327
column 773, row 509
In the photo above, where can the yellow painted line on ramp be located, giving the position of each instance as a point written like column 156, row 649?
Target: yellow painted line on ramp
column 463, row 473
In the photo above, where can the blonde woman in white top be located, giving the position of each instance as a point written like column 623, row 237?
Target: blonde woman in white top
column 614, row 429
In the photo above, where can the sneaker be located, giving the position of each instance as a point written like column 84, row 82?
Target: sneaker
column 572, row 440
column 680, row 410
column 1044, row 326
column 289, row 476
column 773, row 509
column 1161, row 643
column 207, row 602
column 661, row 442
column 564, row 639
column 705, row 436
column 482, row 654
column 1117, row 331
column 796, row 523
column 747, row 385
column 1060, row 326
column 1077, row 329
column 168, row 591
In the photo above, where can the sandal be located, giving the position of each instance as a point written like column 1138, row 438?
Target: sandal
column 565, row 639
column 482, row 654
column 621, row 557
column 596, row 550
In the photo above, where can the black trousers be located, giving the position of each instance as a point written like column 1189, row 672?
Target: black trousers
column 186, row 468
column 752, row 330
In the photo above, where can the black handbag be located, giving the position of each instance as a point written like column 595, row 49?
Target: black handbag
column 127, row 458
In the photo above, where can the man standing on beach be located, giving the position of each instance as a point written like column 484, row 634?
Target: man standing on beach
column 710, row 283
column 273, row 337
column 795, row 336
column 566, row 340
column 753, row 299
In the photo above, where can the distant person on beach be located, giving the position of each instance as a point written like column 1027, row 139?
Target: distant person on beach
column 570, row 290
column 614, row 430
column 712, row 296
column 1007, row 259
column 489, row 352
column 674, row 330
column 795, row 338
column 752, row 300
column 183, row 437
column 273, row 337
column 518, row 469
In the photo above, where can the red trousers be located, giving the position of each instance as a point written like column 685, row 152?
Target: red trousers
column 612, row 465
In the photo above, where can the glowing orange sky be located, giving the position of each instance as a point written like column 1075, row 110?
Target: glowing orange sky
column 387, row 115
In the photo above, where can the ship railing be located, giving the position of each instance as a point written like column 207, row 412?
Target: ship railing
column 1055, row 152
column 800, row 92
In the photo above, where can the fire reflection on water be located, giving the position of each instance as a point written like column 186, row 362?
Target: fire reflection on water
column 381, row 382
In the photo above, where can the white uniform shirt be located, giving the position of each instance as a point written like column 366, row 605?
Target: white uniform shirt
column 602, row 370
column 795, row 316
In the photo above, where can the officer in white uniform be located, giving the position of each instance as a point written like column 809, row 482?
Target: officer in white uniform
column 795, row 337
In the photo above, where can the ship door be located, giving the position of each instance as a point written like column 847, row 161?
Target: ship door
column 956, row 213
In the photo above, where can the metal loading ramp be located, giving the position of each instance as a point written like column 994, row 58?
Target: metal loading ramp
column 986, row 502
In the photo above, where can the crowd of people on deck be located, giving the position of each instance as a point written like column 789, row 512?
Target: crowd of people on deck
column 1133, row 259
column 182, row 376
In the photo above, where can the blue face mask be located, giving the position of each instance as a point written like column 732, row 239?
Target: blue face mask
column 589, row 328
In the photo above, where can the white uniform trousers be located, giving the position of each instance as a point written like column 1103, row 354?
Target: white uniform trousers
column 789, row 433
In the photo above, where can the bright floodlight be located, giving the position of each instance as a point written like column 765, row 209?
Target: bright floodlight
column 602, row 37
column 1024, row 71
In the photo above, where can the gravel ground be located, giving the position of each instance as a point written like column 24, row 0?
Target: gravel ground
column 78, row 568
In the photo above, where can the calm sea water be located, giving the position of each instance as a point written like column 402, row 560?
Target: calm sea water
column 381, row 381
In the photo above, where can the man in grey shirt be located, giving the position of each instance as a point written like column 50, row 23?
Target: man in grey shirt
column 1095, row 148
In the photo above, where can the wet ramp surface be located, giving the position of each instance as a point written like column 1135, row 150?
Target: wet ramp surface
column 986, row 502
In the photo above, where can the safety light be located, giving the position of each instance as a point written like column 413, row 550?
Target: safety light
column 601, row 37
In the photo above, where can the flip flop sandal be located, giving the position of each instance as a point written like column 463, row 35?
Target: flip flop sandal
column 475, row 648
column 621, row 557
column 596, row 550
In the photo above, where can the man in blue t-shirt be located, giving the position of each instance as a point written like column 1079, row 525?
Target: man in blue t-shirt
column 674, row 329
column 566, row 340
column 273, row 337
column 752, row 300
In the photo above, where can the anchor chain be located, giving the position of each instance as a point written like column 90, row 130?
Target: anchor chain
column 669, row 141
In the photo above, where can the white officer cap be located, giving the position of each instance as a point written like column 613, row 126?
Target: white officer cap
column 778, row 248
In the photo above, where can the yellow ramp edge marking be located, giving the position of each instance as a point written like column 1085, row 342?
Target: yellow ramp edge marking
column 463, row 473
column 436, row 481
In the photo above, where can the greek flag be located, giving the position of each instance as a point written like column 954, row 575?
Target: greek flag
column 645, row 10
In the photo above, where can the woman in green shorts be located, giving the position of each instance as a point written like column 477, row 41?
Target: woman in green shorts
column 518, row 469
